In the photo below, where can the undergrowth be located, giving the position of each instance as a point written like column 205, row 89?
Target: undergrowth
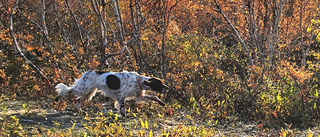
column 147, row 120
column 212, row 85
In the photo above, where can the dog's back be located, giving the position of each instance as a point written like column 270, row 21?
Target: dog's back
column 118, row 84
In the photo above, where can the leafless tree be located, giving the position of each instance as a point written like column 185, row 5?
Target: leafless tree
column 16, row 44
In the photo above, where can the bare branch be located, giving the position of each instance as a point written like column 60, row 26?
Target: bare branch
column 42, row 28
column 137, row 23
column 15, row 42
column 166, row 20
column 235, row 32
column 119, row 26
column 76, row 21
column 122, row 42
column 275, row 28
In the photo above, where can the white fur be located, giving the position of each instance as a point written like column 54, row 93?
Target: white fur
column 62, row 89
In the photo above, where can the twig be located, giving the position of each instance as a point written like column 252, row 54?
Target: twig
column 235, row 31
column 76, row 21
column 15, row 42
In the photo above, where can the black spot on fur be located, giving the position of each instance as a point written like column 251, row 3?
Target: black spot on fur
column 100, row 72
column 113, row 82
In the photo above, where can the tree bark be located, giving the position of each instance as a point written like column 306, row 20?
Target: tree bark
column 275, row 29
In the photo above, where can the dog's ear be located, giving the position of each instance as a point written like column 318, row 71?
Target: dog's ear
column 113, row 82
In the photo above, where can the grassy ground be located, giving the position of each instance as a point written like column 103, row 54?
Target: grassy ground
column 25, row 118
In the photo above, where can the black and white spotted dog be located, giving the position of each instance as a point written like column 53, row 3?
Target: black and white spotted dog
column 117, row 85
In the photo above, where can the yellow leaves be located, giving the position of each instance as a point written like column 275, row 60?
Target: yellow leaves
column 282, row 46
column 197, row 63
column 36, row 87
column 278, row 97
column 144, row 38
column 101, row 8
column 160, row 116
column 146, row 124
column 309, row 29
column 141, row 122
column 318, row 37
column 24, row 106
column 310, row 133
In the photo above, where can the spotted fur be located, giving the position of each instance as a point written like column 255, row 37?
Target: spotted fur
column 118, row 85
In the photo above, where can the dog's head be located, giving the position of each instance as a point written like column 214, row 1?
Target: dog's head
column 156, row 84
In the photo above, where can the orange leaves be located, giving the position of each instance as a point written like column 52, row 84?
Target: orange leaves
column 4, row 34
column 274, row 113
column 81, row 50
column 169, row 112
column 173, row 28
column 197, row 63
column 298, row 74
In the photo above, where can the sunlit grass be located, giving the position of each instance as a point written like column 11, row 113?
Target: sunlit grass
column 147, row 120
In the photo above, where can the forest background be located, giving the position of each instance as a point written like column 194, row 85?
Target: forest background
column 257, row 60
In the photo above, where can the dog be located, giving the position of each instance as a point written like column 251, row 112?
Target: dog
column 120, row 86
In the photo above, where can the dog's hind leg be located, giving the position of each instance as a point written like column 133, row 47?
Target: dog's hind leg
column 119, row 105
column 85, row 99
column 89, row 96
column 122, row 108
column 78, row 104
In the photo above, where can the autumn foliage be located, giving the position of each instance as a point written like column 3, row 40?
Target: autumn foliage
column 256, row 59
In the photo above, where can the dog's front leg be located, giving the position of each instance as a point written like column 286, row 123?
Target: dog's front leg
column 151, row 98
column 120, row 106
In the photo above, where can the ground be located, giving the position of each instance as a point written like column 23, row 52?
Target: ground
column 39, row 116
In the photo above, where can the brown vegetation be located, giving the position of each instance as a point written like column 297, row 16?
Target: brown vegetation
column 257, row 60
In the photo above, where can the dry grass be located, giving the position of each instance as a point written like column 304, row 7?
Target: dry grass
column 20, row 118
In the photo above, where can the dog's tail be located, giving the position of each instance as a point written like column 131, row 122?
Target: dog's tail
column 62, row 90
